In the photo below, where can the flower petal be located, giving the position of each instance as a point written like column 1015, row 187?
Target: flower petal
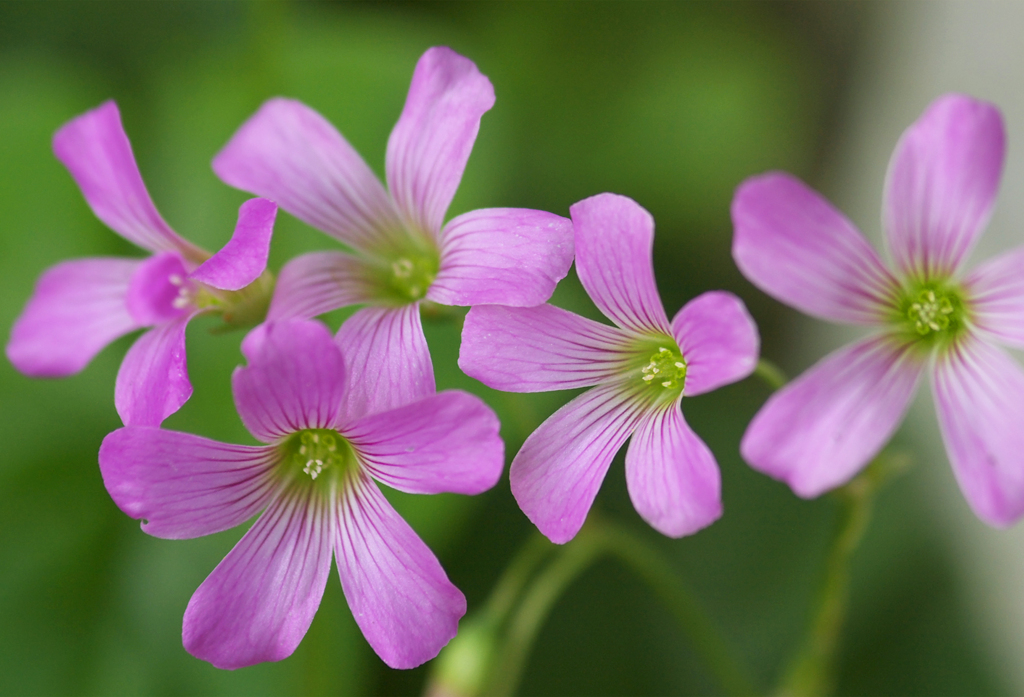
column 718, row 339
column 822, row 428
column 95, row 149
column 538, row 349
column 185, row 486
column 446, row 442
column 295, row 379
column 995, row 291
column 556, row 474
column 399, row 595
column 77, row 308
column 244, row 257
column 291, row 154
column 430, row 144
column 614, row 242
column 672, row 477
column 387, row 359
column 941, row 185
column 979, row 396
column 155, row 289
column 258, row 603
column 795, row 246
column 152, row 382
column 502, row 256
column 312, row 284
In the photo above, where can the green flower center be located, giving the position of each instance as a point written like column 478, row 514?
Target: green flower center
column 411, row 275
column 666, row 369
column 318, row 454
column 933, row 311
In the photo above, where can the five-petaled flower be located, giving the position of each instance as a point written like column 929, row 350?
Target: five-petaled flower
column 313, row 480
column 79, row 307
column 818, row 431
column 401, row 251
column 642, row 367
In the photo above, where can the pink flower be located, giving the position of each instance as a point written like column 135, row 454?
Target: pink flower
column 820, row 430
column 313, row 480
column 641, row 368
column 79, row 307
column 401, row 251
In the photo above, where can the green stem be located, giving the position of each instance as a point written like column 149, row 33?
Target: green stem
column 812, row 671
column 770, row 373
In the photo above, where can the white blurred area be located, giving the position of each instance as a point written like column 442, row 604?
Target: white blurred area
column 917, row 51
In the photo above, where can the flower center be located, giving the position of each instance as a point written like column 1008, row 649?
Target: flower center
column 933, row 311
column 318, row 453
column 411, row 275
column 665, row 369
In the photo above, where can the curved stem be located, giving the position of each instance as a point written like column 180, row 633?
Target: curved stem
column 771, row 374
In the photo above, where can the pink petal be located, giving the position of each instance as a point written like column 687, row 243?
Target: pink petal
column 152, row 382
column 290, row 154
column 430, row 144
column 446, row 442
column 184, row 486
column 399, row 595
column 295, row 379
column 556, row 474
column 718, row 339
column 95, row 149
column 995, row 293
column 614, row 242
column 312, row 284
column 258, row 603
column 537, row 349
column 796, row 247
column 155, row 288
column 979, row 396
column 502, row 256
column 672, row 477
column 822, row 428
column 77, row 308
column 941, row 185
column 387, row 359
column 244, row 257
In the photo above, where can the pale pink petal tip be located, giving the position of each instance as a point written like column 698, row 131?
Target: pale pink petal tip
column 96, row 151
column 77, row 308
column 718, row 339
column 796, row 247
column 942, row 183
column 819, row 430
column 614, row 238
column 672, row 476
column 979, row 396
column 430, row 145
column 502, row 256
column 295, row 379
column 399, row 595
column 244, row 257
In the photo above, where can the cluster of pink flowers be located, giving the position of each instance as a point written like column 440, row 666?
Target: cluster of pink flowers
column 334, row 414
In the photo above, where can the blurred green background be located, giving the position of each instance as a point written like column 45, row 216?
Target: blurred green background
column 672, row 104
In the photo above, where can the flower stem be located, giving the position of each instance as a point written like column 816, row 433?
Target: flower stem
column 812, row 671
column 770, row 373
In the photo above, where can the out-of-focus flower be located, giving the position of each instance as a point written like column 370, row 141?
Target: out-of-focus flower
column 401, row 251
column 313, row 480
column 80, row 306
column 818, row 431
column 641, row 368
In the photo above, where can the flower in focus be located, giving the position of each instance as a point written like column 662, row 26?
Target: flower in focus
column 401, row 252
column 641, row 368
column 80, row 306
column 822, row 428
column 313, row 480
